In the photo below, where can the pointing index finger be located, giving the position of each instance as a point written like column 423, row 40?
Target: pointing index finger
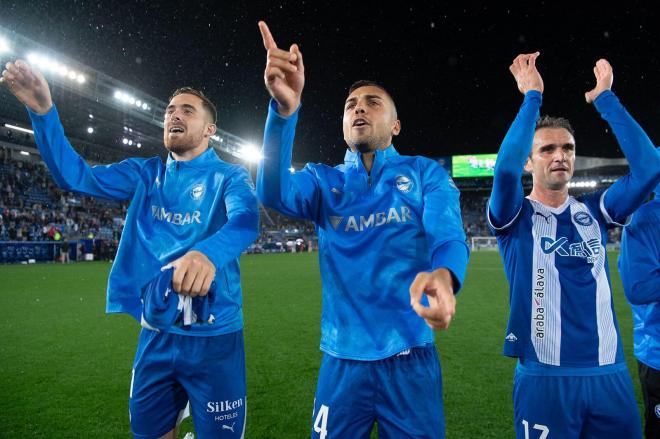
column 269, row 42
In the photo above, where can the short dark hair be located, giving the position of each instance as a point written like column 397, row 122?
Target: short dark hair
column 554, row 122
column 206, row 103
column 369, row 83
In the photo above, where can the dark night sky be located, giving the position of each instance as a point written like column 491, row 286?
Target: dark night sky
column 447, row 66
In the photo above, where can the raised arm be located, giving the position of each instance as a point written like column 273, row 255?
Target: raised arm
column 69, row 170
column 507, row 194
column 293, row 194
column 629, row 191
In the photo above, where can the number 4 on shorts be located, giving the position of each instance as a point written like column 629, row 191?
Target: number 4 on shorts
column 321, row 421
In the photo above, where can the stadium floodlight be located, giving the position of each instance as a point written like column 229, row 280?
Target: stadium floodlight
column 90, row 130
column 25, row 153
column 215, row 137
column 50, row 65
column 139, row 145
column 124, row 141
column 127, row 98
column 130, row 143
column 91, row 116
column 4, row 46
column 23, row 130
column 292, row 169
column 250, row 153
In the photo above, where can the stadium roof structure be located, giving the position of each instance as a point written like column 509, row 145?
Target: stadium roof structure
column 99, row 113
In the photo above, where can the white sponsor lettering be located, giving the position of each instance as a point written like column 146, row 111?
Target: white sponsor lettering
column 179, row 219
column 377, row 219
column 223, row 406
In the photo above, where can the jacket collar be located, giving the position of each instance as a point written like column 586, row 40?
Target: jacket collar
column 354, row 159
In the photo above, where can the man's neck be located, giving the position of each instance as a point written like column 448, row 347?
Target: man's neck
column 190, row 154
column 549, row 197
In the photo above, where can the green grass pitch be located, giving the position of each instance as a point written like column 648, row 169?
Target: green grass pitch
column 65, row 365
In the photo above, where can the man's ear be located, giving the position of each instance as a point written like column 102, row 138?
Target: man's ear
column 396, row 128
column 211, row 129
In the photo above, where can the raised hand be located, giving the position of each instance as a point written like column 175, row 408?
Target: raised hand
column 524, row 71
column 28, row 85
column 604, row 79
column 285, row 73
column 438, row 287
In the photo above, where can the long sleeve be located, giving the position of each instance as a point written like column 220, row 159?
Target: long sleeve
column 242, row 225
column 443, row 224
column 507, row 194
column 639, row 261
column 117, row 181
column 292, row 194
column 629, row 191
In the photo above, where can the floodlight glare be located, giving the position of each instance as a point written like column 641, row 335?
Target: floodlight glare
column 4, row 46
column 25, row 153
column 80, row 78
column 138, row 103
column 124, row 141
column 145, row 106
column 250, row 153
column 90, row 130
column 139, row 145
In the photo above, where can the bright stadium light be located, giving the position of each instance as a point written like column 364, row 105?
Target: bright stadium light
column 90, row 130
column 139, row 145
column 215, row 137
column 4, row 46
column 124, row 141
column 23, row 130
column 127, row 98
column 292, row 169
column 25, row 153
column 250, row 153
column 130, row 143
column 50, row 65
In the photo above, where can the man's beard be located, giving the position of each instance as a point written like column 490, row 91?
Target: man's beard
column 178, row 148
column 364, row 147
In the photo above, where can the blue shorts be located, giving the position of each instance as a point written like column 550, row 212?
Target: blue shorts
column 580, row 407
column 403, row 394
column 171, row 370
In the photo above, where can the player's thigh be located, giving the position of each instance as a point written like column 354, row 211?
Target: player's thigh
column 212, row 371
column 344, row 401
column 547, row 407
column 156, row 400
column 612, row 411
column 409, row 402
